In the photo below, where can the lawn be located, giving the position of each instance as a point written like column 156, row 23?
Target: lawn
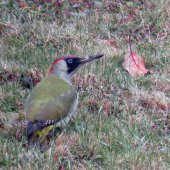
column 122, row 122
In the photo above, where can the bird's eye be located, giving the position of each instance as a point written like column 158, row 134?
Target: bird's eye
column 70, row 61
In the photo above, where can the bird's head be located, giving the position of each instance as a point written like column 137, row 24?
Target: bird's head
column 70, row 63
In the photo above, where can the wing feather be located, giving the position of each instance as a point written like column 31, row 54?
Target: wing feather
column 48, row 104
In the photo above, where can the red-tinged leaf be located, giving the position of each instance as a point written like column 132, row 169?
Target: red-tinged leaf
column 112, row 43
column 134, row 64
column 154, row 127
column 103, row 82
column 147, row 4
column 165, row 128
column 108, row 43
column 61, row 167
column 91, row 155
column 93, row 105
column 55, row 157
column 107, row 105
column 81, row 165
column 19, row 104
column 105, row 94
column 130, row 15
column 8, row 76
column 22, row 4
column 35, row 81
column 1, row 124
column 13, row 76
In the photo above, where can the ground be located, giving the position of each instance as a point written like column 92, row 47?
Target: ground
column 122, row 122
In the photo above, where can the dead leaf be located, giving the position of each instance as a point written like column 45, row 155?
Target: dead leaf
column 165, row 128
column 107, row 105
column 81, row 165
column 131, row 12
column 151, row 71
column 6, row 76
column 93, row 105
column 105, row 94
column 16, row 115
column 134, row 64
column 13, row 76
column 108, row 43
column 113, row 43
column 91, row 155
column 22, row 4
column 61, row 167
column 35, row 81
column 147, row 4
column 1, row 124
column 55, row 157
column 19, row 104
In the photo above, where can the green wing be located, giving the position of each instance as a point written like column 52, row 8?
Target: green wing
column 52, row 98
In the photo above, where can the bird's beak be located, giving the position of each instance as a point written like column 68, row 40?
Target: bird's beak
column 89, row 58
column 83, row 60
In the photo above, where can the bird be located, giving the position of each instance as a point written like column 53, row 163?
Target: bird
column 53, row 101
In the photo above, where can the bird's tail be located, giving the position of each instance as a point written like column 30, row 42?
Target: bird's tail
column 39, row 134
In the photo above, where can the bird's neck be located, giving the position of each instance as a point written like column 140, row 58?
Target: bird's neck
column 62, row 74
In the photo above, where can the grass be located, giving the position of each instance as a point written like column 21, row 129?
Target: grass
column 121, row 122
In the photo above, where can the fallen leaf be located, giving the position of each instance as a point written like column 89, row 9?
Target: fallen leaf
column 107, row 105
column 13, row 76
column 147, row 4
column 81, row 165
column 93, row 105
column 108, row 43
column 22, row 4
column 6, row 76
column 61, row 167
column 134, row 64
column 16, row 116
column 35, row 81
column 1, row 124
column 113, row 43
column 105, row 94
column 19, row 104
column 91, row 155
column 165, row 128
column 55, row 157
column 131, row 12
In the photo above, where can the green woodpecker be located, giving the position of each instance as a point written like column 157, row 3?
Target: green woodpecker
column 53, row 100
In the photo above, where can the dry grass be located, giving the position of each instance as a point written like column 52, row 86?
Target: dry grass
column 121, row 122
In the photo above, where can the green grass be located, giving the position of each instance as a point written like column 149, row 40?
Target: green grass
column 121, row 122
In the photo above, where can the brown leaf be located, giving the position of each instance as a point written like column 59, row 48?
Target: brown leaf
column 61, row 167
column 18, row 103
column 13, row 76
column 107, row 105
column 91, row 155
column 1, row 124
column 35, row 81
column 93, row 105
column 131, row 12
column 16, row 116
column 55, row 157
column 147, row 4
column 22, row 4
column 81, row 165
column 134, row 64
column 8, row 76
column 106, row 94
column 113, row 43
column 165, row 128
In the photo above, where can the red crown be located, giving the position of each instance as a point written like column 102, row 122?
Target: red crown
column 60, row 58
